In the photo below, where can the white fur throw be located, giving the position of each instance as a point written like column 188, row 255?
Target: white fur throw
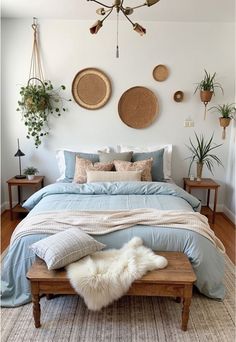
column 105, row 276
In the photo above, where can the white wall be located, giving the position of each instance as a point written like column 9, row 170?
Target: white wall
column 67, row 47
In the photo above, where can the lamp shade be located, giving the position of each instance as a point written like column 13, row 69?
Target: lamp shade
column 19, row 153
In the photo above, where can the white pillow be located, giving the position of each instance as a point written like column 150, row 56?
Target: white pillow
column 113, row 176
column 167, row 154
column 60, row 157
column 63, row 248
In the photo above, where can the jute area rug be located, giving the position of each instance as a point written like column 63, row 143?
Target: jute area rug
column 131, row 319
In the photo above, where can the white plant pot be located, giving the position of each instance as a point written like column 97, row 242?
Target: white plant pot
column 30, row 177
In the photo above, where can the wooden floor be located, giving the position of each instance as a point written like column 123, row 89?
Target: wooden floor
column 223, row 228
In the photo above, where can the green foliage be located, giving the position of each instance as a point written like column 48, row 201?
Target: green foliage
column 37, row 102
column 208, row 83
column 31, row 170
column 226, row 111
column 202, row 152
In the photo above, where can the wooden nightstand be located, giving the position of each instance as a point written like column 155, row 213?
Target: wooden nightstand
column 36, row 183
column 205, row 183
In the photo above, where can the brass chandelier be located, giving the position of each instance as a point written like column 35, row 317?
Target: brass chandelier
column 119, row 7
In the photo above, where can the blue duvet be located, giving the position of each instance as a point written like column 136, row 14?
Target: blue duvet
column 207, row 261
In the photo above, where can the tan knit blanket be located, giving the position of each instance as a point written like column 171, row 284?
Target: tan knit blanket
column 103, row 222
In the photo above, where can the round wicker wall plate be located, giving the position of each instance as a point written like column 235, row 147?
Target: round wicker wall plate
column 178, row 96
column 138, row 107
column 91, row 88
column 160, row 73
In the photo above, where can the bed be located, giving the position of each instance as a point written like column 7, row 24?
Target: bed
column 206, row 259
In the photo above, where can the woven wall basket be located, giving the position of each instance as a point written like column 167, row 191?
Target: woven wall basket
column 178, row 96
column 160, row 73
column 138, row 107
column 91, row 88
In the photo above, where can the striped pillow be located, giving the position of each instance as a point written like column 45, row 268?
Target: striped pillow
column 61, row 249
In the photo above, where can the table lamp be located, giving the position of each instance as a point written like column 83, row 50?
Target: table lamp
column 19, row 154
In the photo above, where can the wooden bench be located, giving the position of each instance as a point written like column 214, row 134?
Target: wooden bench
column 176, row 280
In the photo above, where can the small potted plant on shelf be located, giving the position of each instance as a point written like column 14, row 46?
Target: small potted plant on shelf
column 201, row 153
column 227, row 112
column 38, row 101
column 207, row 88
column 30, row 172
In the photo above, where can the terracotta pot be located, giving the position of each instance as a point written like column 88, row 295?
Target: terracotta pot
column 224, row 122
column 206, row 95
column 199, row 171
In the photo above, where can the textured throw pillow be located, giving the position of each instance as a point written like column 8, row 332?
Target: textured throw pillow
column 66, row 161
column 157, row 165
column 61, row 249
column 113, row 176
column 84, row 165
column 109, row 157
column 142, row 165
column 167, row 156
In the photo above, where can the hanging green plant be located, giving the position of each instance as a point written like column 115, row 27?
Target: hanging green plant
column 39, row 99
column 37, row 103
column 207, row 88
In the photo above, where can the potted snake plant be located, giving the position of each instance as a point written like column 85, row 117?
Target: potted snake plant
column 207, row 87
column 227, row 113
column 201, row 153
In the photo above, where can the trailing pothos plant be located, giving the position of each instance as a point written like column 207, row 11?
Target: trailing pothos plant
column 39, row 101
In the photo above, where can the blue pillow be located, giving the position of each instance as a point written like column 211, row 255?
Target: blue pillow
column 157, row 166
column 70, row 159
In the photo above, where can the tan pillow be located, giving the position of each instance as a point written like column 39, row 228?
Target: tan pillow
column 143, row 165
column 84, row 165
column 113, row 176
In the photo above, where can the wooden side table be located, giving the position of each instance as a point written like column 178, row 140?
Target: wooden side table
column 36, row 183
column 205, row 183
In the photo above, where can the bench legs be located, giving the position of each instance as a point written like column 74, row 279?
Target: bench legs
column 185, row 310
column 186, row 307
column 36, row 304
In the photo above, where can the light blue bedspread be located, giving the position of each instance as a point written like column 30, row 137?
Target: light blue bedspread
column 207, row 261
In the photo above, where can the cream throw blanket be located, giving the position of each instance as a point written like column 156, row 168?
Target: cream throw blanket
column 102, row 222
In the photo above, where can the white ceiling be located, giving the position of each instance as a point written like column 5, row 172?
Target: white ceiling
column 165, row 10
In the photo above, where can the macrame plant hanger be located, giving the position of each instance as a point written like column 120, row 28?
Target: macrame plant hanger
column 36, row 71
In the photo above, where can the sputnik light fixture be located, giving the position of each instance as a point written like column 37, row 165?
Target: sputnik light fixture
column 119, row 7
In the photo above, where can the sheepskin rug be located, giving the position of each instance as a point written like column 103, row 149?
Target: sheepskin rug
column 105, row 276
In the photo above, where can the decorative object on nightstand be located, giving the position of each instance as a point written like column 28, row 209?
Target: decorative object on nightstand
column 202, row 154
column 30, row 172
column 36, row 183
column 207, row 88
column 19, row 154
column 205, row 183
column 226, row 112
